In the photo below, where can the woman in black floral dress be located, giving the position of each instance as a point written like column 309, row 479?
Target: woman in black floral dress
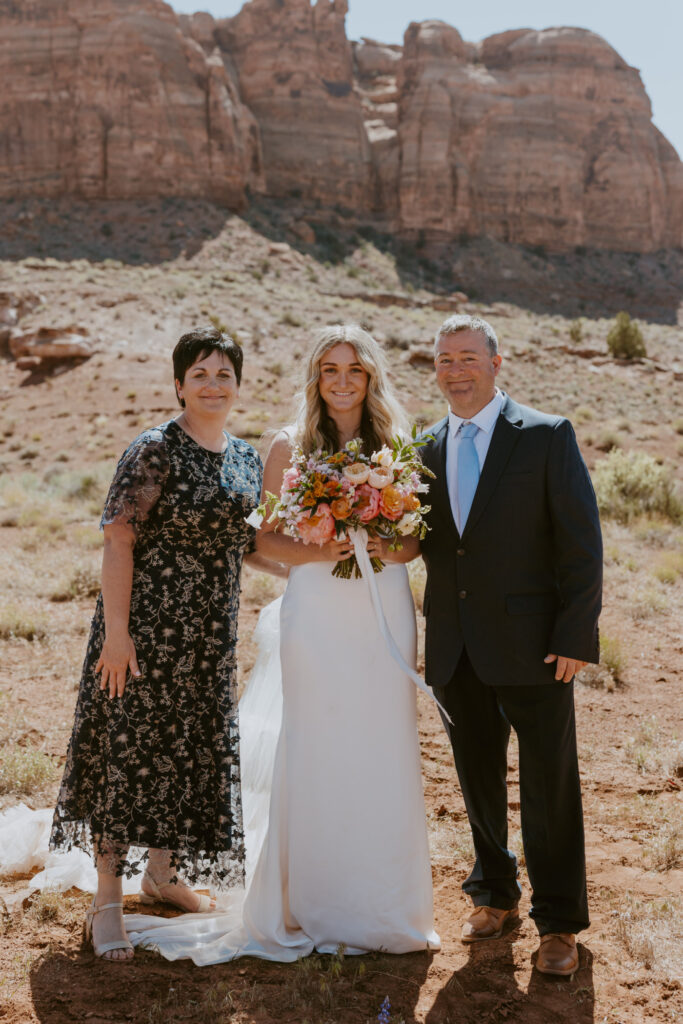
column 153, row 761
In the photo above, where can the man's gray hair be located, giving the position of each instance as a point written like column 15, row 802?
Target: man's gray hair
column 462, row 322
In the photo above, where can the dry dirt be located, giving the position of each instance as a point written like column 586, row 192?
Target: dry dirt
column 60, row 434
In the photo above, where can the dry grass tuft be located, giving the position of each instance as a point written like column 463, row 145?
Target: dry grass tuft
column 83, row 582
column 669, row 567
column 24, row 770
column 647, row 603
column 51, row 905
column 665, row 852
column 610, row 671
column 21, row 622
column 649, row 932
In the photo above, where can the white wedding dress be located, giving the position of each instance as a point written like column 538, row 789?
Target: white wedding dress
column 334, row 811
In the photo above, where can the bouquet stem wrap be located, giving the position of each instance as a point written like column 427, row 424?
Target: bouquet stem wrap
column 360, row 544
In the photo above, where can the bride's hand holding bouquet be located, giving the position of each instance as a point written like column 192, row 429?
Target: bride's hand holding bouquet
column 327, row 496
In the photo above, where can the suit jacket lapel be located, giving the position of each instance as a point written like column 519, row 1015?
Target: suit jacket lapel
column 505, row 436
column 439, row 487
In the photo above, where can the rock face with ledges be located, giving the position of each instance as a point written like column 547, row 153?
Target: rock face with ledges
column 295, row 72
column 109, row 99
column 540, row 138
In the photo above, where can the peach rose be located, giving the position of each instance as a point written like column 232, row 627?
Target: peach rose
column 367, row 503
column 340, row 508
column 381, row 476
column 411, row 503
column 318, row 528
column 391, row 502
column 357, row 473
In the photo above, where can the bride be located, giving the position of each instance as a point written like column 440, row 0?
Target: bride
column 334, row 810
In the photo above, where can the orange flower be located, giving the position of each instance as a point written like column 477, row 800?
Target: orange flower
column 308, row 499
column 391, row 502
column 332, row 487
column 411, row 503
column 340, row 508
column 318, row 488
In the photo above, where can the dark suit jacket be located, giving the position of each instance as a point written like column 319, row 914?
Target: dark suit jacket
column 525, row 578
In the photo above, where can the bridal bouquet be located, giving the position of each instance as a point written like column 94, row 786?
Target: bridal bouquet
column 324, row 495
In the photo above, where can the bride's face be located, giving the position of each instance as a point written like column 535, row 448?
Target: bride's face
column 343, row 382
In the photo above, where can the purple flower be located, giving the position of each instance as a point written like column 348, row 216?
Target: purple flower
column 384, row 1016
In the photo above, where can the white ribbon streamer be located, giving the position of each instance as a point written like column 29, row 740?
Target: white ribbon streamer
column 360, row 544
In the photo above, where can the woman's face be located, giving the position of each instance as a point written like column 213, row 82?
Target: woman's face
column 343, row 382
column 210, row 386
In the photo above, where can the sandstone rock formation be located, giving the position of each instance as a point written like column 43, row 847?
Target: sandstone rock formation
column 109, row 99
column 533, row 138
column 13, row 306
column 540, row 138
column 48, row 345
column 295, row 72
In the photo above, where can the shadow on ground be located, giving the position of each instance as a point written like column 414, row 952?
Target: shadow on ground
column 582, row 282
column 486, row 989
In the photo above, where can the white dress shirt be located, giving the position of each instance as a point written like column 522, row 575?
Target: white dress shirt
column 486, row 420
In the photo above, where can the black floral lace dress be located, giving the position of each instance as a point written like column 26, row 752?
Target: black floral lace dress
column 159, row 767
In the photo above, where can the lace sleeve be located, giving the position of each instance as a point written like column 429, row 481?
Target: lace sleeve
column 138, row 481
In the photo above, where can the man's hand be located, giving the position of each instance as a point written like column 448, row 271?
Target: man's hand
column 566, row 668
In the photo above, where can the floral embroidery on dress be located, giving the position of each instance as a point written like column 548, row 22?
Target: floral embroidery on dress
column 159, row 767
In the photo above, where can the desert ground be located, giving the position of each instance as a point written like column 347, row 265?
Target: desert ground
column 64, row 424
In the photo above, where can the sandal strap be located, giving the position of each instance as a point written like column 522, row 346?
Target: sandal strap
column 107, row 947
column 106, row 906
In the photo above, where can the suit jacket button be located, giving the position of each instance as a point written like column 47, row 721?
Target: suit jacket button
column 460, row 551
column 463, row 593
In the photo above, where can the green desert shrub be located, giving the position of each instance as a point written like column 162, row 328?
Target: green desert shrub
column 633, row 484
column 625, row 339
column 576, row 331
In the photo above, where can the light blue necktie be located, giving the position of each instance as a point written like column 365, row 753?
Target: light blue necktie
column 467, row 474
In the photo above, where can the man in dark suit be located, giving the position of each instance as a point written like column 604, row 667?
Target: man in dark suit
column 513, row 595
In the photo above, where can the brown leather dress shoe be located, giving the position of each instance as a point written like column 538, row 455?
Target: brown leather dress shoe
column 486, row 923
column 558, row 954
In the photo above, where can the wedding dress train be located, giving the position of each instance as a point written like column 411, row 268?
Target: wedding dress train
column 334, row 812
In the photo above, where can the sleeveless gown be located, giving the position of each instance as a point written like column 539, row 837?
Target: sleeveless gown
column 334, row 814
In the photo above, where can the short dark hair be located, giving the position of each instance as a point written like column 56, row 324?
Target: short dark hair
column 200, row 343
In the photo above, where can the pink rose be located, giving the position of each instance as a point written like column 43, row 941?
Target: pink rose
column 318, row 528
column 367, row 503
column 291, row 478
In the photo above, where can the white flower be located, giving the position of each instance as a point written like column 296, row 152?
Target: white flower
column 384, row 457
column 255, row 519
column 407, row 523
column 357, row 473
column 381, row 476
column 422, row 488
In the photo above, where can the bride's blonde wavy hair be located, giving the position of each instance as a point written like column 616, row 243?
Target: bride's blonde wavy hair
column 382, row 416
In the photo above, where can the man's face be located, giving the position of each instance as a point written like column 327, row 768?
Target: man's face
column 466, row 371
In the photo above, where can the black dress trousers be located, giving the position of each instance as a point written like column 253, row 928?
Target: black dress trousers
column 550, row 794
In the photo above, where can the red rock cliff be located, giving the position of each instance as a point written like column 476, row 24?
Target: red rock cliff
column 108, row 99
column 531, row 137
column 295, row 72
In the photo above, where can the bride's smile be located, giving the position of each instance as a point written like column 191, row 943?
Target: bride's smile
column 343, row 381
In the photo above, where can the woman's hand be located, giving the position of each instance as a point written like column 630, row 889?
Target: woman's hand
column 118, row 655
column 332, row 551
column 379, row 547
